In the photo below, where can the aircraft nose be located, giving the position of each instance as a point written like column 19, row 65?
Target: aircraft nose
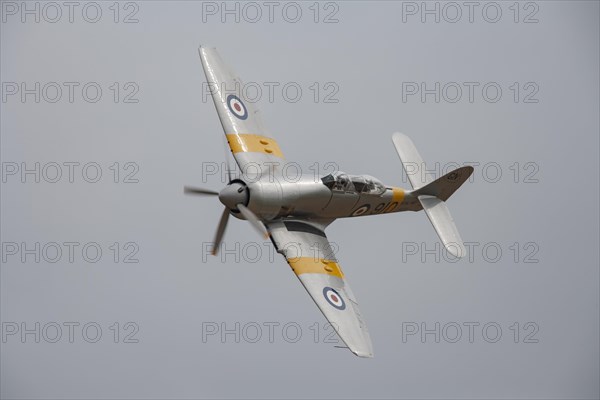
column 233, row 194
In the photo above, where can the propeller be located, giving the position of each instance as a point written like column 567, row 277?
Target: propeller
column 234, row 196
column 220, row 231
column 251, row 217
column 225, row 148
column 200, row 191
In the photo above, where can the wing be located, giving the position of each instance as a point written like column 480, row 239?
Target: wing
column 308, row 252
column 254, row 152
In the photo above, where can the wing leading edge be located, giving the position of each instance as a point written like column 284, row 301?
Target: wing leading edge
column 309, row 254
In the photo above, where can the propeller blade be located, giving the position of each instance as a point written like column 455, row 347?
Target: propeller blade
column 194, row 190
column 220, row 231
column 227, row 152
column 229, row 170
column 253, row 219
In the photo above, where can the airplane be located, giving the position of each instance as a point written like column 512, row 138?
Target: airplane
column 295, row 213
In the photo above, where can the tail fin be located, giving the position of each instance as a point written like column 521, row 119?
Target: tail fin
column 432, row 195
column 444, row 187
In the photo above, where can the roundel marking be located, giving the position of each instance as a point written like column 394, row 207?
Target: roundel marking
column 453, row 176
column 334, row 298
column 361, row 210
column 237, row 107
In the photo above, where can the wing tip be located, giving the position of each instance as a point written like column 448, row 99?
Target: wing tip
column 204, row 49
column 362, row 348
column 399, row 136
column 362, row 354
column 457, row 249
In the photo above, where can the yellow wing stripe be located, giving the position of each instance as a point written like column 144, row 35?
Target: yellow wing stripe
column 311, row 265
column 249, row 143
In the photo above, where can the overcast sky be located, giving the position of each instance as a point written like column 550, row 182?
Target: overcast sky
column 512, row 90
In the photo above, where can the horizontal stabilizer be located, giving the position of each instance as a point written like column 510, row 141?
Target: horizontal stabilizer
column 442, row 222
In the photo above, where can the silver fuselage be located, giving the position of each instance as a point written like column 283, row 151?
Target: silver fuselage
column 275, row 197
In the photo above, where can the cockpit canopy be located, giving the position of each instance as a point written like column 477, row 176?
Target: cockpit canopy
column 361, row 184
